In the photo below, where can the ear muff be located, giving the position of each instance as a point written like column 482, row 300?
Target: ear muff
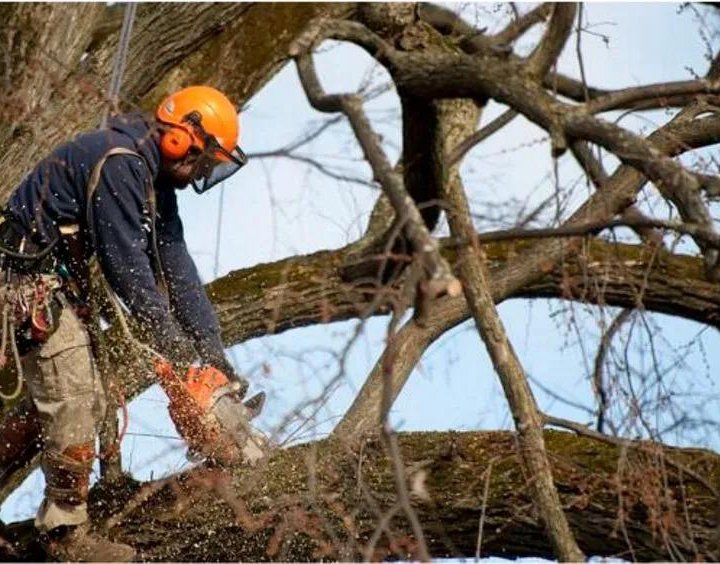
column 175, row 143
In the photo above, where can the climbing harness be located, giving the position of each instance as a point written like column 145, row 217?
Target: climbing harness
column 27, row 315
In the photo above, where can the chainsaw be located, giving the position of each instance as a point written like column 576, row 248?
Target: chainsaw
column 210, row 414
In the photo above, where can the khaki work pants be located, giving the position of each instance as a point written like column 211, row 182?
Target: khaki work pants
column 66, row 388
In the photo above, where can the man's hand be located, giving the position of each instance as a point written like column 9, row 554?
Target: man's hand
column 208, row 412
column 224, row 366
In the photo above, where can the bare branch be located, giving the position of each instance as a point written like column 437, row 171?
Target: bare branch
column 595, row 171
column 473, row 272
column 459, row 75
column 301, row 141
column 654, row 95
column 598, row 378
column 314, row 163
column 424, row 244
column 448, row 22
column 709, row 237
column 672, row 179
column 480, row 135
column 522, row 24
column 521, row 272
column 643, row 445
column 551, row 45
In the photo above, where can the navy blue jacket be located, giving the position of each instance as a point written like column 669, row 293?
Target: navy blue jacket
column 54, row 193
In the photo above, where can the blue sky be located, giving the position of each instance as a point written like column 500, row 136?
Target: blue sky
column 277, row 208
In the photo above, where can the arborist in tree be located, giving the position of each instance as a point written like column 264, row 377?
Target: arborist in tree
column 110, row 194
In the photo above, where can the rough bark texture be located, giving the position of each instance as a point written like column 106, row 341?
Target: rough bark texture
column 300, row 291
column 308, row 502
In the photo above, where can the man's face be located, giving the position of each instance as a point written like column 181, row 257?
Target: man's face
column 179, row 173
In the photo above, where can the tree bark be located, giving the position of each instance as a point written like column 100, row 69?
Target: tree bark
column 472, row 269
column 323, row 499
column 300, row 291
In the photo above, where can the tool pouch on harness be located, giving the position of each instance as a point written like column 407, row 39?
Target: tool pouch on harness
column 29, row 306
column 29, row 303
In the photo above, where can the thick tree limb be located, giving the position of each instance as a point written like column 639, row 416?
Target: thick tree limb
column 519, row 26
column 686, row 90
column 306, row 503
column 558, row 30
column 300, row 291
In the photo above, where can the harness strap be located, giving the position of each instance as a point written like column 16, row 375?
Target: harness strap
column 90, row 191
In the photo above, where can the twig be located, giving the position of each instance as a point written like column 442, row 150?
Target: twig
column 486, row 492
column 480, row 135
column 597, row 378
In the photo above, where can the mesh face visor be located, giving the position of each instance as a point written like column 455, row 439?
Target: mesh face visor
column 211, row 170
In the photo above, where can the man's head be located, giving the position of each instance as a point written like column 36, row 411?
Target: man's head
column 199, row 132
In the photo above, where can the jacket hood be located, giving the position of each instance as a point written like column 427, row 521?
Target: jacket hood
column 142, row 136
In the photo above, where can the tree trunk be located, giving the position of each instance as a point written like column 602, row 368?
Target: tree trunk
column 324, row 499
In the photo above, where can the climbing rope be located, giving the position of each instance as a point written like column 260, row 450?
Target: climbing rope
column 8, row 334
column 120, row 61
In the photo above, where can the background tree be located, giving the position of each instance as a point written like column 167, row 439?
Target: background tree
column 369, row 492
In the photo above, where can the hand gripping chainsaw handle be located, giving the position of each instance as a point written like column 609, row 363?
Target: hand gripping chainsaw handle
column 210, row 415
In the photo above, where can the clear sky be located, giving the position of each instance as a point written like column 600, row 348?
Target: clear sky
column 277, row 208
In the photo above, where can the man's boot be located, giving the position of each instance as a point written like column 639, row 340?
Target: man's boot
column 79, row 544
column 63, row 513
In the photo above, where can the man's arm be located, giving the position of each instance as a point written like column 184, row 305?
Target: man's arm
column 121, row 225
column 188, row 300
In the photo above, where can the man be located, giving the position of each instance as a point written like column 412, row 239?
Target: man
column 113, row 191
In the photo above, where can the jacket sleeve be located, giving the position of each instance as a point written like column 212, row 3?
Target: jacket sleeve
column 188, row 300
column 121, row 221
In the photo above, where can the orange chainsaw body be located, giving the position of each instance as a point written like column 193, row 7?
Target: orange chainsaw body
column 192, row 402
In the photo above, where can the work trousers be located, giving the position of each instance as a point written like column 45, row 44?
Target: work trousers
column 65, row 386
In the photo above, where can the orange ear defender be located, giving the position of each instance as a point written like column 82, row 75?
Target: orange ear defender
column 175, row 142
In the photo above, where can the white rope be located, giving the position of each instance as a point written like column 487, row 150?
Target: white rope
column 8, row 333
column 120, row 60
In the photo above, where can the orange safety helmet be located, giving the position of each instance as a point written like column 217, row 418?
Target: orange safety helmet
column 217, row 117
column 202, row 119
